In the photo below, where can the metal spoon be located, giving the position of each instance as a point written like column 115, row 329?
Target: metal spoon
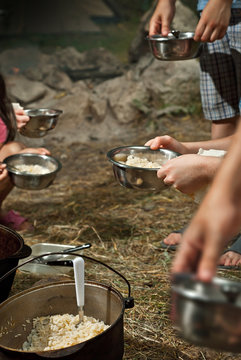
column 79, row 268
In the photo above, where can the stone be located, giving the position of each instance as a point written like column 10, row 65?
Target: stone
column 23, row 90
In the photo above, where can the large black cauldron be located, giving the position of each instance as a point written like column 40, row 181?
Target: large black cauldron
column 12, row 248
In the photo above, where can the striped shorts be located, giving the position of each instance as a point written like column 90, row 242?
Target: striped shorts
column 220, row 73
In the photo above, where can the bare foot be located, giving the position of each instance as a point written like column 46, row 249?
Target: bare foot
column 230, row 258
column 173, row 239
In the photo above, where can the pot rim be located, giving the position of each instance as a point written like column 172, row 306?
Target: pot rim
column 65, row 282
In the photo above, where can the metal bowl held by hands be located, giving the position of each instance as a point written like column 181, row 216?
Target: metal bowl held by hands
column 32, row 180
column 208, row 314
column 171, row 47
column 137, row 177
column 41, row 121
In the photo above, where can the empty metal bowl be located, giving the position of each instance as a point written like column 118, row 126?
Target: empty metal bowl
column 138, row 177
column 207, row 314
column 41, row 121
column 32, row 181
column 179, row 47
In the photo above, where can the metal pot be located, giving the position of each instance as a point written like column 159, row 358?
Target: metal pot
column 208, row 314
column 12, row 245
column 175, row 47
column 101, row 301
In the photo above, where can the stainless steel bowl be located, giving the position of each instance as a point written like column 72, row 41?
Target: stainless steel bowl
column 136, row 177
column 208, row 314
column 41, row 121
column 32, row 181
column 181, row 47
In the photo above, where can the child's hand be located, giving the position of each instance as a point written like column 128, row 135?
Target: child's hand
column 40, row 151
column 167, row 142
column 3, row 172
column 21, row 117
column 214, row 21
column 189, row 173
column 161, row 19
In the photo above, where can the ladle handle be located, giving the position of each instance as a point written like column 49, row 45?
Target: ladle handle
column 79, row 269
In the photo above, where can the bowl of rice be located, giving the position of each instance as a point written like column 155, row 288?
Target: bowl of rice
column 32, row 171
column 135, row 167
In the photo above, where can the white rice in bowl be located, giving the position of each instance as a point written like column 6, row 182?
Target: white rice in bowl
column 60, row 331
column 33, row 169
column 136, row 161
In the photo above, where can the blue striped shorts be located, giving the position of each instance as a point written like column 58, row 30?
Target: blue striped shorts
column 220, row 73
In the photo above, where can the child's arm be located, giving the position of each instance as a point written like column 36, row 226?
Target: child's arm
column 170, row 143
column 214, row 21
column 40, row 151
column 162, row 17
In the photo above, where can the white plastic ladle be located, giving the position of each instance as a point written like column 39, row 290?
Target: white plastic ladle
column 79, row 278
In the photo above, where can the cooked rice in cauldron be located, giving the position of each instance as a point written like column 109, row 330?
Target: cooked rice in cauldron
column 60, row 331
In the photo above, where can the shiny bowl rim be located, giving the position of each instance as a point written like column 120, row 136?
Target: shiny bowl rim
column 171, row 37
column 56, row 112
column 114, row 162
column 58, row 163
column 179, row 288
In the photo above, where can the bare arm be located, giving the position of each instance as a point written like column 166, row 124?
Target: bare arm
column 162, row 17
column 170, row 143
column 214, row 21
column 217, row 220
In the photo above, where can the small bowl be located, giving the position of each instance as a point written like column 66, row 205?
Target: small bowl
column 133, row 177
column 207, row 314
column 169, row 48
column 41, row 121
column 32, row 181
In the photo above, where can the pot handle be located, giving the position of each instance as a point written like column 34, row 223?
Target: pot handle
column 129, row 301
column 23, row 253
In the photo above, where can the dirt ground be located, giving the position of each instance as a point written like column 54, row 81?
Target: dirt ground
column 125, row 227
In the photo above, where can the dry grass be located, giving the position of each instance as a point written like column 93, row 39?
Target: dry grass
column 125, row 228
